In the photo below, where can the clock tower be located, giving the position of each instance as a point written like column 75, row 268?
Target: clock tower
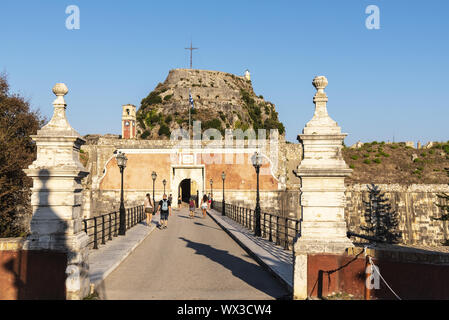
column 129, row 121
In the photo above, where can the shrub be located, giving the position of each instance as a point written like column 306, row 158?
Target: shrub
column 366, row 155
column 423, row 154
column 164, row 130
column 214, row 123
column 145, row 134
column 354, row 157
column 394, row 146
column 431, row 151
column 367, row 161
column 351, row 166
column 168, row 97
column 151, row 99
column 446, row 148
column 169, row 119
column 377, row 160
column 417, row 160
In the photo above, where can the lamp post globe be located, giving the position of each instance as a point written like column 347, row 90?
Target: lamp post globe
column 223, row 211
column 164, row 182
column 121, row 163
column 154, row 176
column 257, row 163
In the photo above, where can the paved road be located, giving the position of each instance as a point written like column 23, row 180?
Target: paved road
column 192, row 259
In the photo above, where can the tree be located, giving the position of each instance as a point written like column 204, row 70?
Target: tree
column 444, row 206
column 381, row 221
column 17, row 151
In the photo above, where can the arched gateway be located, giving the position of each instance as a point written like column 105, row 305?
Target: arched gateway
column 183, row 176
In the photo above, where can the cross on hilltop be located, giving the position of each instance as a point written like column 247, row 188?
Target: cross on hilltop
column 191, row 50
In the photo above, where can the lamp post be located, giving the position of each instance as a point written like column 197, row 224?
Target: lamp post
column 154, row 176
column 211, row 194
column 164, row 182
column 257, row 163
column 223, row 177
column 121, row 162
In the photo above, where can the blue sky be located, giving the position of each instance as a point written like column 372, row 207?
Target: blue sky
column 384, row 83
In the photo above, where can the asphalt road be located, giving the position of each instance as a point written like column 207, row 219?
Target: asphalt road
column 192, row 259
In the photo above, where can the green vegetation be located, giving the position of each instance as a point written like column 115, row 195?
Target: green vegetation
column 145, row 134
column 164, row 130
column 214, row 123
column 255, row 114
column 354, row 157
column 377, row 160
column 168, row 97
column 152, row 99
column 367, row 161
column 17, row 151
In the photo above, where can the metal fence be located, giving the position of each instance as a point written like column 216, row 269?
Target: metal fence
column 103, row 228
column 274, row 228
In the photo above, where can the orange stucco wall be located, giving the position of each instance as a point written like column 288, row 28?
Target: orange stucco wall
column 137, row 174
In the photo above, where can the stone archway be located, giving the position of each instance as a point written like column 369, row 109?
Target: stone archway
column 192, row 173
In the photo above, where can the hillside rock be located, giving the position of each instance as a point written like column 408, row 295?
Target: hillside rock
column 222, row 100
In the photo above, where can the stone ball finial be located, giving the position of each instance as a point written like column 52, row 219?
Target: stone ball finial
column 320, row 82
column 60, row 89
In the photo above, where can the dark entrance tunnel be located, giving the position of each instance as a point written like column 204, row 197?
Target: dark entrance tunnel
column 184, row 190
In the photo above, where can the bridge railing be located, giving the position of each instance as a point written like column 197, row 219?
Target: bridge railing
column 103, row 228
column 274, row 228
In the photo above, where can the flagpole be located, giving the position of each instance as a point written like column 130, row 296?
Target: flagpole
column 190, row 107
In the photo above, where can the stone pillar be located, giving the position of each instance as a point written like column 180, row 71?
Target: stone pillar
column 322, row 172
column 56, row 224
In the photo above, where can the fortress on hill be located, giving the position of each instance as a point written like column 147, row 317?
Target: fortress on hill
column 194, row 167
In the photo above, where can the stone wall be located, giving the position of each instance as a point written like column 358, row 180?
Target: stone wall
column 102, row 186
column 415, row 205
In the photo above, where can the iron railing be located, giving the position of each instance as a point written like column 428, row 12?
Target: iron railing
column 103, row 228
column 280, row 230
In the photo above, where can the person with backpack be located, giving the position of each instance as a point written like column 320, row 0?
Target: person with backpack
column 165, row 210
column 148, row 208
column 192, row 208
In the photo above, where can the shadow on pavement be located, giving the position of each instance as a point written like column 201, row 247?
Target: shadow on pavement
column 246, row 271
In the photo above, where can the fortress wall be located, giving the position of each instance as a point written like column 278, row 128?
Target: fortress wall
column 415, row 205
column 102, row 186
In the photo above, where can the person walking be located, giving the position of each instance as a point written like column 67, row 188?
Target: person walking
column 204, row 205
column 165, row 210
column 191, row 208
column 148, row 204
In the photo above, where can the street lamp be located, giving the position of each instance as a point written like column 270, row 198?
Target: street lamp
column 211, row 194
column 121, row 162
column 257, row 163
column 223, row 177
column 154, row 176
column 164, row 182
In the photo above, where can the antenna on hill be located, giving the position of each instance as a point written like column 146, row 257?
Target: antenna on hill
column 191, row 50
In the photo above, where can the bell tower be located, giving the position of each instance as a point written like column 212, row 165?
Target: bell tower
column 128, row 121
